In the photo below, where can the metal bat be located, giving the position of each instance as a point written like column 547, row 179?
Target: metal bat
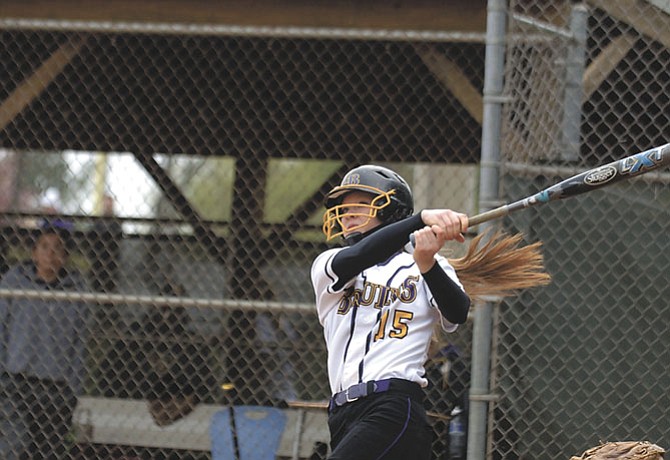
column 592, row 179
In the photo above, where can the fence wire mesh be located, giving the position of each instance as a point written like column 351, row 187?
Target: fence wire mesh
column 575, row 361
column 189, row 168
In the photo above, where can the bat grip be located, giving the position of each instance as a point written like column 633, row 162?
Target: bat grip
column 412, row 239
column 492, row 214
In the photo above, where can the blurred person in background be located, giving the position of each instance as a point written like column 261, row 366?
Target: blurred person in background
column 41, row 349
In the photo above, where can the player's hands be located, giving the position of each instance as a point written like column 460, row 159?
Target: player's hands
column 427, row 242
column 453, row 223
column 442, row 225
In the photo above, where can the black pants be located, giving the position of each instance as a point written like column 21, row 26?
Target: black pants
column 383, row 426
column 46, row 409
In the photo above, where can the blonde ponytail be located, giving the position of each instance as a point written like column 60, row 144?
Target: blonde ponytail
column 500, row 266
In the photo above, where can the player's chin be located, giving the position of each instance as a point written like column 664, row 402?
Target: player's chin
column 351, row 230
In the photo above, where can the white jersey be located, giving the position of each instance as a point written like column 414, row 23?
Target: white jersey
column 379, row 325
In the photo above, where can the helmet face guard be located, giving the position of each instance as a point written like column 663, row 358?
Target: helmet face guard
column 392, row 200
column 332, row 218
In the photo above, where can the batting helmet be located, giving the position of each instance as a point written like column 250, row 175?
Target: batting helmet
column 392, row 200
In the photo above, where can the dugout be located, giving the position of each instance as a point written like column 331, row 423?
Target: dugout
column 269, row 92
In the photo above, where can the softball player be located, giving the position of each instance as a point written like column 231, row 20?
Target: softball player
column 378, row 299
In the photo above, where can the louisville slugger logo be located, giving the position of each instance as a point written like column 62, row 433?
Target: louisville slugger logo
column 600, row 176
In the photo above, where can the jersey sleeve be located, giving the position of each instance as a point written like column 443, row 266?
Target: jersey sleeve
column 324, row 281
column 323, row 276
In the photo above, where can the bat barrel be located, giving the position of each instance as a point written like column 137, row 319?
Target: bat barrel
column 624, row 168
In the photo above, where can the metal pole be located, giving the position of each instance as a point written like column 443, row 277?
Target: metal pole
column 574, row 90
column 496, row 23
column 242, row 31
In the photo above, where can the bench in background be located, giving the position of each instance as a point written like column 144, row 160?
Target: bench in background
column 127, row 422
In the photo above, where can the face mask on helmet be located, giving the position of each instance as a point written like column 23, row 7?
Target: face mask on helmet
column 332, row 218
column 392, row 199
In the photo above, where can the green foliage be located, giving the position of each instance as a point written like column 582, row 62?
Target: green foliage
column 43, row 170
column 210, row 188
column 291, row 182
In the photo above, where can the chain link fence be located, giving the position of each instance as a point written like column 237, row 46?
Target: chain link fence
column 582, row 361
column 188, row 167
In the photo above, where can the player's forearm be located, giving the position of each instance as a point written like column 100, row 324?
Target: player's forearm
column 451, row 300
column 375, row 247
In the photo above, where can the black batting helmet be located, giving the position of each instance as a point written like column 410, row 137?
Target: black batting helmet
column 392, row 201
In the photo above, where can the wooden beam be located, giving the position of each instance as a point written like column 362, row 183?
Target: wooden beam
column 202, row 231
column 639, row 14
column 32, row 86
column 606, row 62
column 454, row 79
column 452, row 15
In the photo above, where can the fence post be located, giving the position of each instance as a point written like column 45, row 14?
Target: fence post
column 574, row 75
column 496, row 23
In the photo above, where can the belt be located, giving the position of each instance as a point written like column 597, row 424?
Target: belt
column 363, row 389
